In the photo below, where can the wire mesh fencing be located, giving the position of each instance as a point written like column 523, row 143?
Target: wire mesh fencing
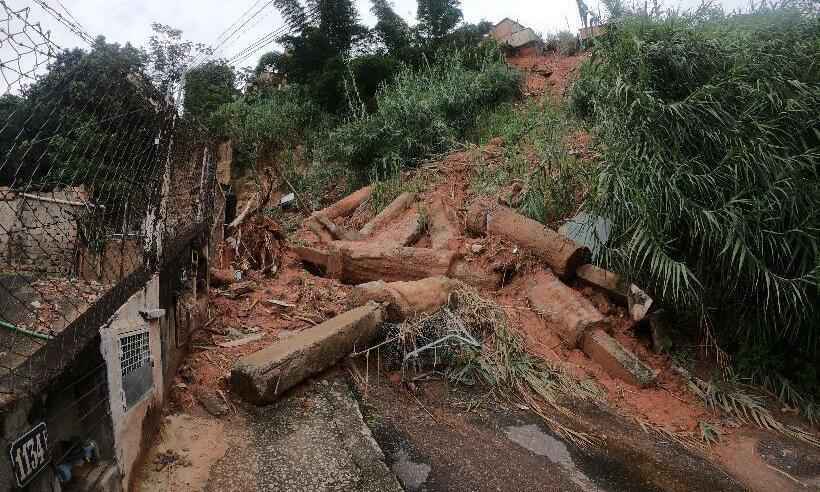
column 101, row 180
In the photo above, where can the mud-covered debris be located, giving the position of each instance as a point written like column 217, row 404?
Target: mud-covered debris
column 169, row 458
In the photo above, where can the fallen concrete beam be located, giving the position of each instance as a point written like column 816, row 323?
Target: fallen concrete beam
column 262, row 377
column 621, row 291
column 319, row 230
column 337, row 231
column 405, row 300
column 444, row 226
column 616, row 359
column 348, row 204
column 580, row 325
column 396, row 208
column 573, row 314
column 562, row 255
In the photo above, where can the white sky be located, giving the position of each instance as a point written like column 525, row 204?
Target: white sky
column 204, row 20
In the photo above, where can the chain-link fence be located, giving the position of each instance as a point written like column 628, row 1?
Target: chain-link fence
column 101, row 179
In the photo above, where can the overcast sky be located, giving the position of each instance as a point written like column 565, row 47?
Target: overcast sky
column 204, row 20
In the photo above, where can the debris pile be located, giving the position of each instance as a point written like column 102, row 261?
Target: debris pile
column 408, row 262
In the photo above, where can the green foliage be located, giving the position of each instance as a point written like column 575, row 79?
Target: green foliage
column 170, row 56
column 535, row 157
column 391, row 29
column 437, row 18
column 270, row 121
column 422, row 112
column 565, row 43
column 207, row 87
column 711, row 175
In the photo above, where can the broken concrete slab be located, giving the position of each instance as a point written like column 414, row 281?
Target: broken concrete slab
column 588, row 230
column 562, row 255
column 621, row 291
column 396, row 208
column 263, row 376
column 573, row 314
column 315, row 440
column 406, row 299
column 616, row 359
column 404, row 231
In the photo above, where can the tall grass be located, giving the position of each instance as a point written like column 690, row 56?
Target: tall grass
column 712, row 167
column 424, row 112
column 535, row 156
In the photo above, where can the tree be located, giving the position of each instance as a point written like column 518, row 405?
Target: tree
column 170, row 56
column 437, row 18
column 207, row 87
column 391, row 29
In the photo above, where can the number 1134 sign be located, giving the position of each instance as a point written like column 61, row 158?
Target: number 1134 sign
column 29, row 454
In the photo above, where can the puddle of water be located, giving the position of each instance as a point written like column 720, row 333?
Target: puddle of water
column 533, row 439
column 411, row 475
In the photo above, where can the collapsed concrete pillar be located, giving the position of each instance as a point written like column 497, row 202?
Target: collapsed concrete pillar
column 405, row 300
column 262, row 377
column 617, row 360
column 572, row 313
column 562, row 255
column 348, row 204
column 580, row 325
column 361, row 262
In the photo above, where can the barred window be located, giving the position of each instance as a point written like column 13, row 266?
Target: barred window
column 136, row 367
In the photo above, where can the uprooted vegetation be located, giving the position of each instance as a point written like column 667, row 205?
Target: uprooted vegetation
column 708, row 125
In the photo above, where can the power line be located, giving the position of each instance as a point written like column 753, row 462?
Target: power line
column 268, row 39
column 197, row 59
column 236, row 30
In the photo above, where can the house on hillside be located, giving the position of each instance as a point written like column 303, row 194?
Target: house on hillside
column 519, row 39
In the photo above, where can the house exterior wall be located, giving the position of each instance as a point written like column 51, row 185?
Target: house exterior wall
column 505, row 29
column 134, row 426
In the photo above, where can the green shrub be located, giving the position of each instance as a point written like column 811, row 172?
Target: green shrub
column 535, row 156
column 423, row 112
column 711, row 173
column 270, row 121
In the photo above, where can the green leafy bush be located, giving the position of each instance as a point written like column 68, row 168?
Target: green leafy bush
column 423, row 112
column 265, row 123
column 535, row 157
column 711, row 175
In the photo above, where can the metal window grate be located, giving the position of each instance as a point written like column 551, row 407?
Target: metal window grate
column 134, row 352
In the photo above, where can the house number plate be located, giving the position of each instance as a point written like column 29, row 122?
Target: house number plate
column 29, row 454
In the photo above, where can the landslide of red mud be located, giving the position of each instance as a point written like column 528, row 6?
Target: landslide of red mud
column 290, row 297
